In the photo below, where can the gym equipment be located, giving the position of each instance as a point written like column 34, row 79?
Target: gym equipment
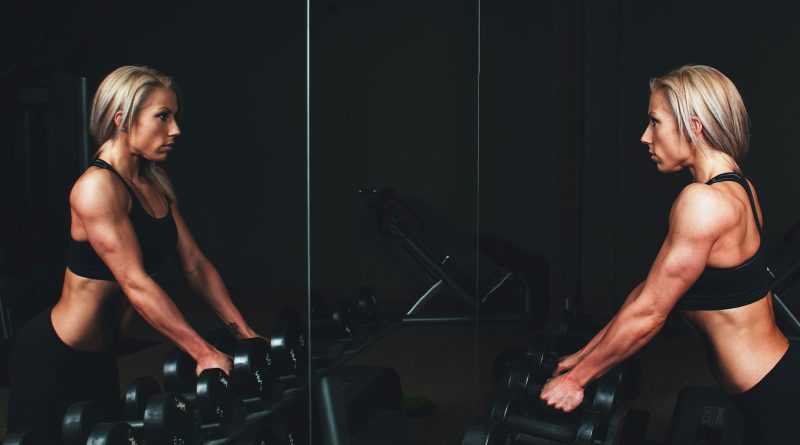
column 579, row 427
column 289, row 344
column 338, row 321
column 167, row 419
column 704, row 416
column 210, row 392
column 360, row 401
column 253, row 376
column 79, row 419
column 395, row 218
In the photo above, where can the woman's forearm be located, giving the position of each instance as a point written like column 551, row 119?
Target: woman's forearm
column 597, row 337
column 629, row 330
column 206, row 281
column 158, row 309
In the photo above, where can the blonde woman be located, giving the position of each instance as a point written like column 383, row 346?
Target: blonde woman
column 710, row 266
column 125, row 224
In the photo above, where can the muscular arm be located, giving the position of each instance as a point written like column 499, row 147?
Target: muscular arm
column 100, row 204
column 569, row 362
column 679, row 263
column 206, row 281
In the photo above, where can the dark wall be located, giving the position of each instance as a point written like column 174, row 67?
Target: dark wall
column 393, row 104
column 629, row 42
column 239, row 168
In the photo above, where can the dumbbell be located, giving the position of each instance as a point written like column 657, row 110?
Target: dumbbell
column 601, row 395
column 29, row 437
column 337, row 321
column 289, row 344
column 254, row 375
column 210, row 392
column 578, row 428
column 167, row 419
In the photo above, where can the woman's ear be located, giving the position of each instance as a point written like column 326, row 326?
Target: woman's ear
column 118, row 121
column 697, row 126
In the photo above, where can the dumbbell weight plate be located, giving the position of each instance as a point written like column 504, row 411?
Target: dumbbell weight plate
column 168, row 419
column 113, row 433
column 180, row 372
column 138, row 393
column 213, row 396
column 288, row 344
column 254, row 372
column 79, row 420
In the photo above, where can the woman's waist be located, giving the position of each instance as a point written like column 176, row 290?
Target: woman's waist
column 741, row 359
column 90, row 321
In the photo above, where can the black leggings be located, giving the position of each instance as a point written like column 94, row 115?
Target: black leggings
column 46, row 376
column 771, row 409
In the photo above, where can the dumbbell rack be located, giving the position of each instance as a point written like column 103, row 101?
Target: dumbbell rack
column 330, row 413
column 329, row 391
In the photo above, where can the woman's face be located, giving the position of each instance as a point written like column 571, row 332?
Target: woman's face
column 154, row 129
column 668, row 148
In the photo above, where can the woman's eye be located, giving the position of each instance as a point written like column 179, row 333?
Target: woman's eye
column 653, row 122
column 162, row 116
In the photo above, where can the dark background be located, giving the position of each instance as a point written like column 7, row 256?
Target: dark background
column 535, row 138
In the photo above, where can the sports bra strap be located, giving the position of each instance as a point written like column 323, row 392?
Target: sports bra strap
column 735, row 177
column 97, row 162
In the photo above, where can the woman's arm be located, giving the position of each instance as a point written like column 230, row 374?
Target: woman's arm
column 696, row 222
column 206, row 281
column 101, row 205
column 568, row 362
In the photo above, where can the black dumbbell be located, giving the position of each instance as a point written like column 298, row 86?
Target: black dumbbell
column 337, row 321
column 29, row 437
column 601, row 395
column 289, row 344
column 167, row 419
column 210, row 392
column 254, row 374
column 578, row 428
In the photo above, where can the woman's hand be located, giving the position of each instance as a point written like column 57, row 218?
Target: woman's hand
column 562, row 393
column 214, row 359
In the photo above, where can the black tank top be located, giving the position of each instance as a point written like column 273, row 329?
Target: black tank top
column 158, row 238
column 731, row 287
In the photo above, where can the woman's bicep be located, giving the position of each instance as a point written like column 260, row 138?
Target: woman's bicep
column 683, row 255
column 110, row 233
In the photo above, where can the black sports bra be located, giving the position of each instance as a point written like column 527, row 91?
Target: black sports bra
column 158, row 238
column 731, row 287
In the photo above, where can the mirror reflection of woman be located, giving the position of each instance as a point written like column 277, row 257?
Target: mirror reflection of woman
column 710, row 266
column 125, row 223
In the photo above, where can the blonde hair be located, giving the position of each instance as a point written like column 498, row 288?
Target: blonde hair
column 125, row 90
column 703, row 92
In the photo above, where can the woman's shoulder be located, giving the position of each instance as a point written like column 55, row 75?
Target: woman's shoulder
column 704, row 208
column 98, row 188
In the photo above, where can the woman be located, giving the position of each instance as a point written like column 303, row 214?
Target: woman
column 125, row 224
column 710, row 265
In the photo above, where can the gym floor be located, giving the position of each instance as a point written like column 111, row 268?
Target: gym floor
column 441, row 363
